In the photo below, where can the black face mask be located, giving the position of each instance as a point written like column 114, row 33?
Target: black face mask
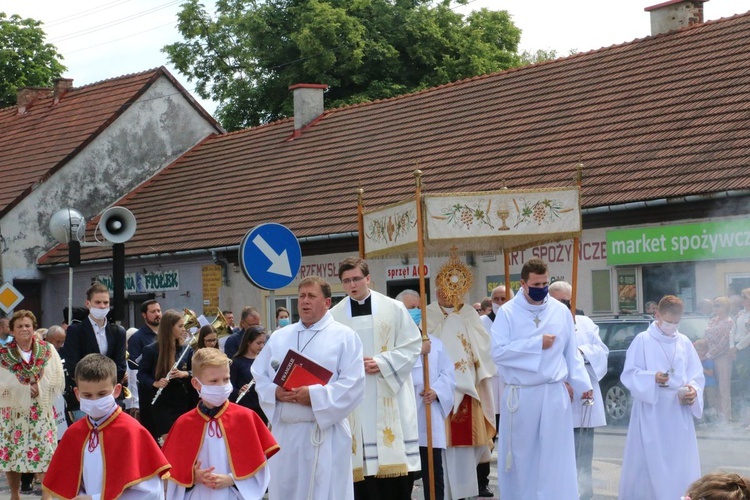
column 566, row 302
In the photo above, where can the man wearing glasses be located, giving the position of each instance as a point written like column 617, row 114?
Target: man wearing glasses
column 385, row 438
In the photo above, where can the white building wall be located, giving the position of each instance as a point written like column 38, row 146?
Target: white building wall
column 147, row 137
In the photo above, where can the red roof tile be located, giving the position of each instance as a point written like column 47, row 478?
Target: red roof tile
column 36, row 144
column 659, row 117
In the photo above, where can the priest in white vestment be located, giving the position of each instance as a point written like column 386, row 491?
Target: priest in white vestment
column 384, row 426
column 535, row 349
column 471, row 424
column 665, row 378
column 589, row 414
column 310, row 423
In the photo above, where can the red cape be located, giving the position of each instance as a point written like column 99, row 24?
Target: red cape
column 247, row 440
column 130, row 456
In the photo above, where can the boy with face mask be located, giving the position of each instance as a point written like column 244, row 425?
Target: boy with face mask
column 665, row 377
column 120, row 458
column 218, row 450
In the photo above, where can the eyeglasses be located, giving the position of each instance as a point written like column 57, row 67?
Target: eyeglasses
column 210, row 341
column 355, row 279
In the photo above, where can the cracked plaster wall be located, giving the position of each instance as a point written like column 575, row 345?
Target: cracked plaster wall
column 147, row 137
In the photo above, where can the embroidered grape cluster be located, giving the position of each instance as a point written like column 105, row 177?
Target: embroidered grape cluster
column 539, row 213
column 467, row 216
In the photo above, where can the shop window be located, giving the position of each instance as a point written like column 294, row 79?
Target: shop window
column 601, row 288
column 677, row 278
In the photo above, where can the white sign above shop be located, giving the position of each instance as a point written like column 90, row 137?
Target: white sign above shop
column 406, row 272
column 157, row 281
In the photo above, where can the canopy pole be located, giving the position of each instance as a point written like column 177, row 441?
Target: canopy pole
column 576, row 246
column 423, row 306
column 506, row 262
column 361, row 221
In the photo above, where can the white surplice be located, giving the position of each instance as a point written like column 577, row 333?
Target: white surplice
column 467, row 344
column 497, row 383
column 392, row 339
column 536, row 453
column 443, row 382
column 213, row 453
column 661, row 451
column 318, row 437
column 595, row 353
column 93, row 474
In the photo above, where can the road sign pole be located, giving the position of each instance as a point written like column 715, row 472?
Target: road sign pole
column 272, row 297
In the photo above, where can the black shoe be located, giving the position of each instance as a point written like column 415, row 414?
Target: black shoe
column 486, row 492
column 27, row 488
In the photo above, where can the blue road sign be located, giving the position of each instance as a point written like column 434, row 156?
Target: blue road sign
column 270, row 256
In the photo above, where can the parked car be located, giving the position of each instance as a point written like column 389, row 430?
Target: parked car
column 617, row 332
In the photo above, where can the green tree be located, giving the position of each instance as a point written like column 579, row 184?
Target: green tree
column 248, row 53
column 542, row 55
column 25, row 59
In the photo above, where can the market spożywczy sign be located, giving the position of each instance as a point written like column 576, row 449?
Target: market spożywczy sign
column 729, row 239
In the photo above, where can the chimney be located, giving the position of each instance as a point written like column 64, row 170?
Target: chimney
column 25, row 97
column 308, row 104
column 675, row 14
column 60, row 88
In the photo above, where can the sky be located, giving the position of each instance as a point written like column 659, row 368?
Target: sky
column 102, row 39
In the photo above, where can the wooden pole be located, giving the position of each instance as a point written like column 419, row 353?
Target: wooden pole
column 506, row 263
column 576, row 245
column 423, row 306
column 361, row 221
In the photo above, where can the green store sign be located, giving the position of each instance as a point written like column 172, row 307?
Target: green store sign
column 688, row 242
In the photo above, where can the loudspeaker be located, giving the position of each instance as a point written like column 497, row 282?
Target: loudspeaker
column 117, row 224
column 67, row 224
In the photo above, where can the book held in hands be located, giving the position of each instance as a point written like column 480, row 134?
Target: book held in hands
column 298, row 371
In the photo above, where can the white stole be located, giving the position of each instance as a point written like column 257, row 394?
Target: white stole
column 386, row 420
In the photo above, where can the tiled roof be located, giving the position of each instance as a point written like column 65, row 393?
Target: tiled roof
column 661, row 117
column 36, row 144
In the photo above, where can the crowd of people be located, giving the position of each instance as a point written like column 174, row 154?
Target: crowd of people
column 164, row 412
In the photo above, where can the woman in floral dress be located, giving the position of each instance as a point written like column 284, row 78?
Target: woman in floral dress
column 31, row 377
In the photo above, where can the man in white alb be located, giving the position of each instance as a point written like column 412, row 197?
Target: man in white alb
column 309, row 423
column 588, row 414
column 535, row 349
column 384, row 427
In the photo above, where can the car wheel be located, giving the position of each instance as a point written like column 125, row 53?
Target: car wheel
column 617, row 404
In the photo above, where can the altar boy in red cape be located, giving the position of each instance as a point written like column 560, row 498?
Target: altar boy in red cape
column 218, row 450
column 108, row 454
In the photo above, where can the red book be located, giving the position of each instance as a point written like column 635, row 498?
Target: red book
column 298, row 371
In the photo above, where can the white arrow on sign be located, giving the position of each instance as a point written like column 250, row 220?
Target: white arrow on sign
column 279, row 263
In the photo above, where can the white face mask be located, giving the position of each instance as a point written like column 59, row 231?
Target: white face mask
column 98, row 408
column 215, row 395
column 495, row 308
column 97, row 313
column 669, row 329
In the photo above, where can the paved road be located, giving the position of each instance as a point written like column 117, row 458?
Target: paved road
column 720, row 449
